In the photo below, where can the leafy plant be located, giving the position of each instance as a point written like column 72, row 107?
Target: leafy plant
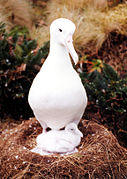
column 107, row 94
column 92, row 65
column 106, row 89
column 20, row 60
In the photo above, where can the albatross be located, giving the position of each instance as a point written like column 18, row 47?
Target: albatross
column 57, row 96
column 59, row 141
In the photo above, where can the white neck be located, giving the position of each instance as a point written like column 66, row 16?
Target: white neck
column 59, row 54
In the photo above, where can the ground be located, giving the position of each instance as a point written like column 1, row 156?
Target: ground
column 99, row 154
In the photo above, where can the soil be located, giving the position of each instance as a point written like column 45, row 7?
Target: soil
column 99, row 155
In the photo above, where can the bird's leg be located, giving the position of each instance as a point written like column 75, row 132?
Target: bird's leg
column 44, row 126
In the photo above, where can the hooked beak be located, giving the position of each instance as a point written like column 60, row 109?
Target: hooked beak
column 80, row 133
column 71, row 50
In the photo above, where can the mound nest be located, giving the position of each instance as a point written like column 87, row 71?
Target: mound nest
column 100, row 155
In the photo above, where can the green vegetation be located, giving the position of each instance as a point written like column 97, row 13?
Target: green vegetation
column 106, row 89
column 107, row 94
column 19, row 63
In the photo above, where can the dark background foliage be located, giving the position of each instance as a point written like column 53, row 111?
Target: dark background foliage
column 107, row 94
column 20, row 60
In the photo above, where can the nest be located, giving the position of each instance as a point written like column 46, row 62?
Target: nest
column 99, row 156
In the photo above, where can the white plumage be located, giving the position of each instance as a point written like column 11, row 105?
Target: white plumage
column 57, row 96
column 59, row 141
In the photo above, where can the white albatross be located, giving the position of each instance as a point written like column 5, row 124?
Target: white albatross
column 59, row 141
column 57, row 96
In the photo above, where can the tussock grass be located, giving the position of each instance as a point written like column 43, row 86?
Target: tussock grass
column 72, row 10
column 4, row 18
column 19, row 12
column 73, row 4
column 93, row 19
column 93, row 24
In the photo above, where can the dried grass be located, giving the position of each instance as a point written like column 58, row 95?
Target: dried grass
column 19, row 12
column 4, row 17
column 113, row 52
column 93, row 25
column 100, row 155
column 93, row 19
column 81, row 4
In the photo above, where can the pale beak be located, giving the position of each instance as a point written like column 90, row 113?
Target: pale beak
column 71, row 50
column 80, row 133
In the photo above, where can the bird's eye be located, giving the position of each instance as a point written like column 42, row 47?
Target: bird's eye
column 60, row 30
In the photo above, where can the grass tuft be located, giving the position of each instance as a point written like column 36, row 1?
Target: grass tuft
column 19, row 12
column 93, row 25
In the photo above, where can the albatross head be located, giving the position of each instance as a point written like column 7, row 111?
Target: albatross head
column 61, row 31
